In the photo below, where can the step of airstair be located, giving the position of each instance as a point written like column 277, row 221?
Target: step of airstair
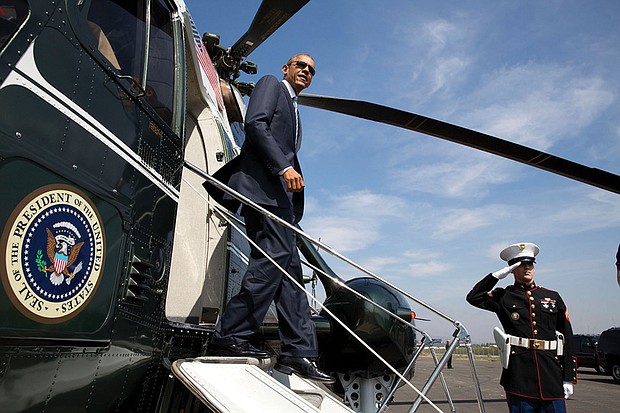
column 243, row 385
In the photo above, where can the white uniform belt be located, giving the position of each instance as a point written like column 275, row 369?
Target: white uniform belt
column 533, row 343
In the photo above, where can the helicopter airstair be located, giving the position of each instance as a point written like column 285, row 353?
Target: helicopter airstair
column 244, row 385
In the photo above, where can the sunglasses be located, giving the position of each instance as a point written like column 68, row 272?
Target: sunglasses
column 302, row 65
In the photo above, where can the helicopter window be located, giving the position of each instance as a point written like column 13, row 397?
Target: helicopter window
column 121, row 29
column 123, row 25
column 160, row 78
column 103, row 45
column 12, row 15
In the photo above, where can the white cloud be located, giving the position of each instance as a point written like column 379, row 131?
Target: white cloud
column 352, row 221
column 341, row 233
column 429, row 268
column 403, row 266
column 579, row 211
column 456, row 222
column 443, row 60
column 368, row 204
column 462, row 177
column 382, row 264
column 537, row 104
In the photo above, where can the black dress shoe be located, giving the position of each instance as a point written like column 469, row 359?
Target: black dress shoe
column 236, row 350
column 303, row 367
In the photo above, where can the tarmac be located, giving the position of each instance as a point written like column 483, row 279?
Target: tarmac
column 594, row 393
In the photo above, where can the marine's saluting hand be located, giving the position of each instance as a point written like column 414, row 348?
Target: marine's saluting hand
column 499, row 274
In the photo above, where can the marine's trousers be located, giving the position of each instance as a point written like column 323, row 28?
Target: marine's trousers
column 517, row 404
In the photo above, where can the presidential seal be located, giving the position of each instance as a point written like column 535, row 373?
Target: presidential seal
column 54, row 252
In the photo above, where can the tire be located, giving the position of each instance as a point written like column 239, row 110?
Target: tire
column 615, row 372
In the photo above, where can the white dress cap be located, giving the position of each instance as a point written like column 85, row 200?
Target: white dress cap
column 525, row 251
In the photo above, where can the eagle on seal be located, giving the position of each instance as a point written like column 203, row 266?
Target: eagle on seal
column 62, row 252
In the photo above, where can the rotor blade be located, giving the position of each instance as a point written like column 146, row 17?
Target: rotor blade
column 270, row 16
column 418, row 123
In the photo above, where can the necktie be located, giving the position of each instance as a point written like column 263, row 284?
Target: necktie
column 296, row 120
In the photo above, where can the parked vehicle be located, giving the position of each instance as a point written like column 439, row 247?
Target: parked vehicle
column 585, row 350
column 608, row 352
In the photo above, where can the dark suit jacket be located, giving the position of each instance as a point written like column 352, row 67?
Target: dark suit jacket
column 269, row 147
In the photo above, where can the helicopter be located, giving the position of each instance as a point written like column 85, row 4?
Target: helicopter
column 116, row 267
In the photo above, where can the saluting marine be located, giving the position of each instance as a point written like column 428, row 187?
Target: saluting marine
column 539, row 367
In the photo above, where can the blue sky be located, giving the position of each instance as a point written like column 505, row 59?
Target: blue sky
column 431, row 216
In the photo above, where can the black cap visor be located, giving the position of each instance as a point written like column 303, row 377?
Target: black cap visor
column 522, row 259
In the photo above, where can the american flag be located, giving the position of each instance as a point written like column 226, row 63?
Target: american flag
column 206, row 64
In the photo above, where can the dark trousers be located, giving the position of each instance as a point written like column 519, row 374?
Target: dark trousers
column 517, row 404
column 264, row 283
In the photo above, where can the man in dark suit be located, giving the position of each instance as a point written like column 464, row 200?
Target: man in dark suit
column 267, row 171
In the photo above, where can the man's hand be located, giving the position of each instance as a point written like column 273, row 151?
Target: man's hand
column 568, row 389
column 499, row 274
column 294, row 181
